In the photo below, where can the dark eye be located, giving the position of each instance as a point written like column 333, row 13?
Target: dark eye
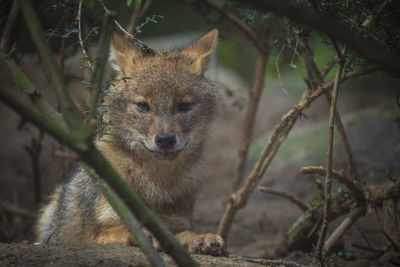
column 185, row 107
column 143, row 106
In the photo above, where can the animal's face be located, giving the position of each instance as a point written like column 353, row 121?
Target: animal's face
column 164, row 104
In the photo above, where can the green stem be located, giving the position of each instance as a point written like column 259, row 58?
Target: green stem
column 69, row 111
column 73, row 141
column 128, row 219
column 28, row 88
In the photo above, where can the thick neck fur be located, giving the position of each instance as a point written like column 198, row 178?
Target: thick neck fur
column 161, row 183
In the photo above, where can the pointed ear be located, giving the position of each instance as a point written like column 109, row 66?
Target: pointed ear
column 199, row 52
column 123, row 54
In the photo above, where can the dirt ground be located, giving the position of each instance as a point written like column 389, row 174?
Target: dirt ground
column 368, row 113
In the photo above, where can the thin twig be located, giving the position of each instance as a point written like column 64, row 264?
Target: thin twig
column 16, row 210
column 8, row 26
column 250, row 34
column 293, row 199
column 129, row 35
column 328, row 67
column 101, row 63
column 78, row 21
column 139, row 10
column 248, row 123
column 317, row 80
column 327, row 201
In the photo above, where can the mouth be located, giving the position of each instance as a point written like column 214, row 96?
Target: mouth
column 163, row 154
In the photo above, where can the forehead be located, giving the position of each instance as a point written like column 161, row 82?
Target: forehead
column 163, row 81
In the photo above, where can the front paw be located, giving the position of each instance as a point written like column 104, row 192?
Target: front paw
column 210, row 244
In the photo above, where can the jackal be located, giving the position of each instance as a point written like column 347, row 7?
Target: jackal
column 160, row 108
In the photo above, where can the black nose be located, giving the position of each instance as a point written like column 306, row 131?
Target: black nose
column 165, row 140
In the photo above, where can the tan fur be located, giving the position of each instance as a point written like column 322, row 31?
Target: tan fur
column 160, row 109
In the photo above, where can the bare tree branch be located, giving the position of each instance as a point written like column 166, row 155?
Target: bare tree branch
column 352, row 185
column 293, row 199
column 327, row 195
column 249, row 33
column 248, row 123
column 343, row 227
column 239, row 198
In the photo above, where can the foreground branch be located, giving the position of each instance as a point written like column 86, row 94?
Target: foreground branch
column 28, row 88
column 89, row 154
column 69, row 110
column 128, row 219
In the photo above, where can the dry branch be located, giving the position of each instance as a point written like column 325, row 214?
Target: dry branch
column 262, row 43
column 293, row 199
column 316, row 79
column 239, row 199
column 353, row 186
column 327, row 196
column 344, row 226
column 248, row 123
column 249, row 33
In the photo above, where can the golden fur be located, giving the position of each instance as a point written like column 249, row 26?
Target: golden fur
column 160, row 108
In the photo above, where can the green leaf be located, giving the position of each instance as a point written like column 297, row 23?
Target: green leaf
column 129, row 2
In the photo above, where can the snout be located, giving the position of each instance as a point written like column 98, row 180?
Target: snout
column 165, row 146
column 165, row 140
